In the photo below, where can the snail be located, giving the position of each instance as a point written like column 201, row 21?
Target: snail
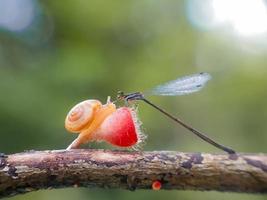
column 96, row 122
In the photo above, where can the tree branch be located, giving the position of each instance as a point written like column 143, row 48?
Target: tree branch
column 33, row 170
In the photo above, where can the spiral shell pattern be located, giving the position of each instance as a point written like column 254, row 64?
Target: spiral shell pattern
column 81, row 115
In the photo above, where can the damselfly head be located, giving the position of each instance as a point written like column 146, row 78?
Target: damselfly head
column 120, row 95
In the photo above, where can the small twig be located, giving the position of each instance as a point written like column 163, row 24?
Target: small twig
column 33, row 170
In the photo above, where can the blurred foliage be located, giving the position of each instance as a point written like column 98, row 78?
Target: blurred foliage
column 91, row 49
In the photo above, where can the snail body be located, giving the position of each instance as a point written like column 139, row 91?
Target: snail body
column 94, row 121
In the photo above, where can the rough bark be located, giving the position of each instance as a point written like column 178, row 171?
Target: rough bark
column 33, row 170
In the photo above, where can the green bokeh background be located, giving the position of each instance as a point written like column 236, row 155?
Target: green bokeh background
column 91, row 49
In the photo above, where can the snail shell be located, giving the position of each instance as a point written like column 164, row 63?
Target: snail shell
column 82, row 115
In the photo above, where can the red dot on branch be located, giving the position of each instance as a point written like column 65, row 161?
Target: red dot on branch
column 156, row 185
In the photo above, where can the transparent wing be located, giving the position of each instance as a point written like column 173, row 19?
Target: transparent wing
column 182, row 86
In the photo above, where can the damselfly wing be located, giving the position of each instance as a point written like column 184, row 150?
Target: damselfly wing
column 182, row 86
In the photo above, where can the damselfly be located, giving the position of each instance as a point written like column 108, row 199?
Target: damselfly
column 180, row 86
